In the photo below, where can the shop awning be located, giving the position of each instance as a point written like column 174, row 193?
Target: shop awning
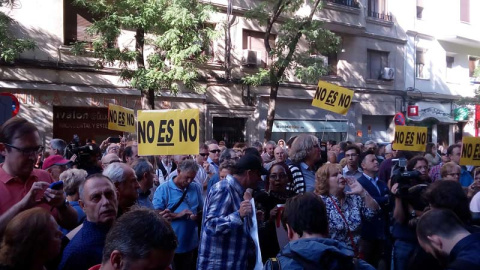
column 440, row 119
column 309, row 126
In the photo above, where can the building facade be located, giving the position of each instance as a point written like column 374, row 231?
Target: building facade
column 379, row 58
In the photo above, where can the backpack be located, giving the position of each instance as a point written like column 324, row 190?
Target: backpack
column 330, row 260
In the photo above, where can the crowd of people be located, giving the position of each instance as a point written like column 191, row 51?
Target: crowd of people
column 315, row 205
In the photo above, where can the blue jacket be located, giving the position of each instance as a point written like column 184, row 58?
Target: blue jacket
column 312, row 250
column 377, row 227
column 465, row 254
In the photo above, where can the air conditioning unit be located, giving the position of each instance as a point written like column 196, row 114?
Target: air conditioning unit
column 387, row 74
column 322, row 57
column 250, row 58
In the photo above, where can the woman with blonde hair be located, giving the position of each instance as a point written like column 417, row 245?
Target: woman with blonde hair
column 347, row 203
column 30, row 240
column 71, row 181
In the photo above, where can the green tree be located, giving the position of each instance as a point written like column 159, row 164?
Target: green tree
column 174, row 31
column 10, row 46
column 285, row 54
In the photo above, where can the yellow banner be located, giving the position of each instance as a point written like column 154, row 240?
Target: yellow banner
column 120, row 118
column 168, row 132
column 332, row 98
column 470, row 151
column 410, row 138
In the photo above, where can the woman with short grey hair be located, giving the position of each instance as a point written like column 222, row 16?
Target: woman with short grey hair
column 72, row 178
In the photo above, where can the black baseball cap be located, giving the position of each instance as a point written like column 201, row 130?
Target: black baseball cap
column 250, row 162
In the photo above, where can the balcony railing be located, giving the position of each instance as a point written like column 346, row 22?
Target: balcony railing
column 348, row 3
column 380, row 16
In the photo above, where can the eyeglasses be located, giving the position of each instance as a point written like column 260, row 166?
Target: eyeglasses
column 215, row 151
column 421, row 168
column 203, row 154
column 277, row 176
column 29, row 150
column 351, row 155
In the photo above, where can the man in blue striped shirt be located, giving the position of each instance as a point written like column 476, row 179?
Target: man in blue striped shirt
column 227, row 219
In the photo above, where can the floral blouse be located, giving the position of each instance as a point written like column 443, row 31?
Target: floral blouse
column 354, row 210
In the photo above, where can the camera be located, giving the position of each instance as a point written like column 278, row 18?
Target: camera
column 83, row 153
column 410, row 185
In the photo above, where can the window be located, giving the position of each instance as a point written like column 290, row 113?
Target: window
column 75, row 22
column 376, row 61
column 465, row 11
column 254, row 41
column 378, row 9
column 331, row 58
column 473, row 65
column 420, row 64
column 449, row 62
column 208, row 48
column 332, row 63
column 419, row 9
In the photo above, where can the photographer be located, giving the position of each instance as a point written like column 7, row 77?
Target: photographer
column 87, row 157
column 408, row 187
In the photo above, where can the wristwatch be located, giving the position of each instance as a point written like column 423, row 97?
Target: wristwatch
column 413, row 214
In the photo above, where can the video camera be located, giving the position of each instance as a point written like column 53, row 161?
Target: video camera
column 410, row 184
column 83, row 153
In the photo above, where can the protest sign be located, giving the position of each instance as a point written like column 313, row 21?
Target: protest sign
column 168, row 132
column 410, row 138
column 470, row 151
column 120, row 118
column 332, row 97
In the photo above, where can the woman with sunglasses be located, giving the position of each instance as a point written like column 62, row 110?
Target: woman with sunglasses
column 267, row 202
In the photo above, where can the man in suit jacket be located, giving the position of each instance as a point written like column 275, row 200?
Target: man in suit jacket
column 375, row 231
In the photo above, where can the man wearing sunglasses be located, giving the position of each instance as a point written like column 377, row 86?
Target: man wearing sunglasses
column 213, row 157
column 21, row 186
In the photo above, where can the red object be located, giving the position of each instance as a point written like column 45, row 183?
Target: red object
column 412, row 110
column 54, row 160
column 280, row 207
column 399, row 119
column 15, row 102
column 477, row 120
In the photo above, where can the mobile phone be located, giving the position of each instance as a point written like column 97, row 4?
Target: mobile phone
column 56, row 185
column 114, row 140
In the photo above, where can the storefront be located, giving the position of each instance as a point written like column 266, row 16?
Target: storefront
column 322, row 129
column 62, row 111
column 437, row 117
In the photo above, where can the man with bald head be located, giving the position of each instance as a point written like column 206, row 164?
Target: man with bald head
column 125, row 181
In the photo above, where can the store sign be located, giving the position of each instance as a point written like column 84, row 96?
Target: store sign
column 332, row 98
column 86, row 122
column 410, row 138
column 121, row 118
column 470, row 151
column 168, row 132
column 309, row 126
column 460, row 114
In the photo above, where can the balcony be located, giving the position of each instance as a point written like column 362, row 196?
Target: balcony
column 380, row 16
column 347, row 3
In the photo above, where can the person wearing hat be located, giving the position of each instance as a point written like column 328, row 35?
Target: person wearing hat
column 55, row 165
column 227, row 219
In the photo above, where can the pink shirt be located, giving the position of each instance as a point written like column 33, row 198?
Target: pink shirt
column 12, row 189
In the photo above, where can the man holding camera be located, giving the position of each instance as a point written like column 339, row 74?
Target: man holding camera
column 408, row 188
